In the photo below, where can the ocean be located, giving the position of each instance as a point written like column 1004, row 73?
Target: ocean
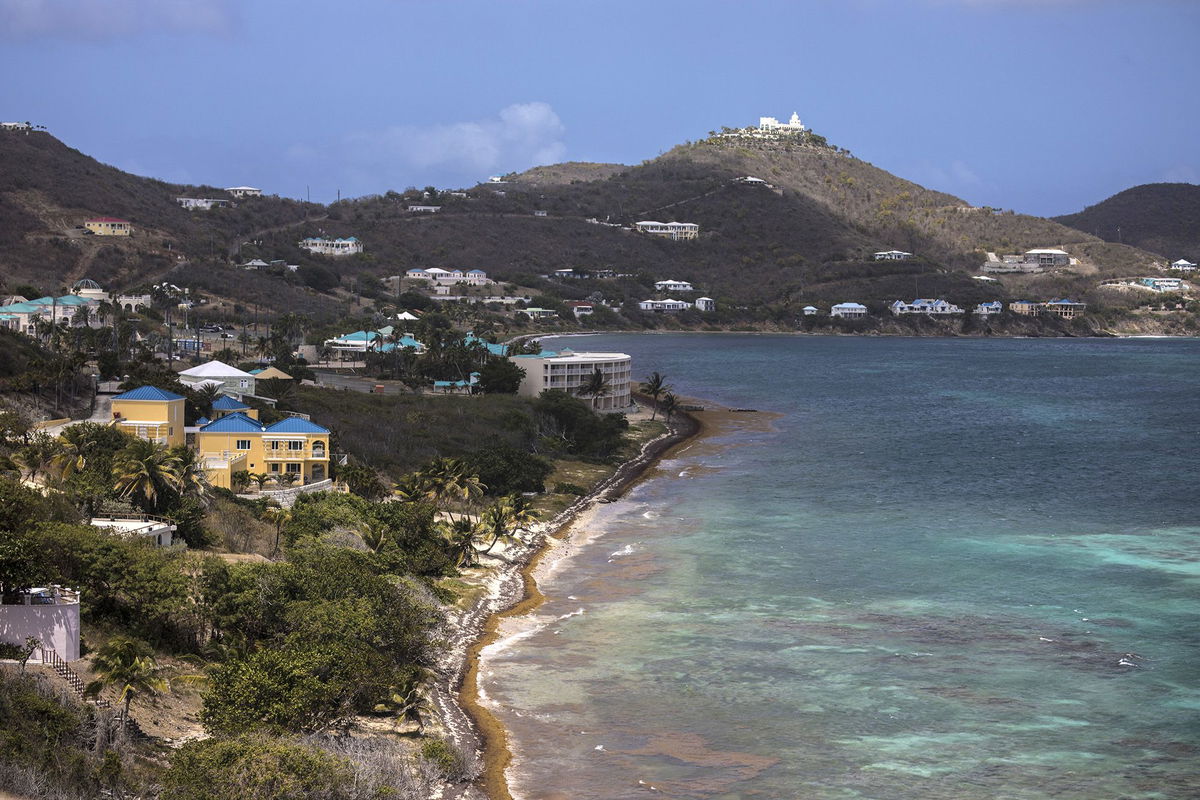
column 929, row 568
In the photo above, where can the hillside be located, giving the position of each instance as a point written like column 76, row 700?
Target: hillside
column 1163, row 218
column 804, row 236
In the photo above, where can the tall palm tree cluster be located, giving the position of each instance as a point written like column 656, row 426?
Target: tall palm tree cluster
column 656, row 386
column 449, row 486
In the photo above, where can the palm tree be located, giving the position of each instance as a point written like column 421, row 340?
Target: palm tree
column 670, row 405
column 654, row 386
column 374, row 534
column 287, row 478
column 414, row 487
column 129, row 665
column 279, row 517
column 522, row 511
column 190, row 472
column 496, row 521
column 260, row 478
column 205, row 396
column 461, row 535
column 74, row 445
column 595, row 385
column 450, row 482
column 146, row 472
column 408, row 703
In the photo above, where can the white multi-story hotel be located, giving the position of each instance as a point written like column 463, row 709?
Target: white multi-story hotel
column 569, row 371
column 332, row 247
column 674, row 231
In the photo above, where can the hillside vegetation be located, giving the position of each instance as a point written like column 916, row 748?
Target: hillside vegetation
column 1163, row 218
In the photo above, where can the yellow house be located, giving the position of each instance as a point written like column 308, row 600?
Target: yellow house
column 236, row 442
column 150, row 413
column 108, row 226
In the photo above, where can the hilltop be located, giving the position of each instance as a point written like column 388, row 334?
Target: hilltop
column 1163, row 218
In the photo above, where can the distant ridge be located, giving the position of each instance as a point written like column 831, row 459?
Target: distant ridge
column 1163, row 218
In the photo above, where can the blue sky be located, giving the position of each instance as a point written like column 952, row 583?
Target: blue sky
column 1043, row 106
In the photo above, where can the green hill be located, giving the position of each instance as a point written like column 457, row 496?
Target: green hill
column 1163, row 218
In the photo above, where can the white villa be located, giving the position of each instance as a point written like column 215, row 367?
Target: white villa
column 667, row 306
column 810, row 311
column 383, row 340
column 989, row 309
column 449, row 277
column 244, row 191
column 675, row 231
column 892, row 255
column 673, row 286
column 1183, row 265
column 203, row 203
column 848, row 310
column 1047, row 257
column 332, row 247
column 931, row 308
column 772, row 125
column 232, row 380
column 706, row 304
column 569, row 371
column 157, row 529
column 15, row 126
column 1164, row 284
column 424, row 209
column 21, row 315
column 49, row 614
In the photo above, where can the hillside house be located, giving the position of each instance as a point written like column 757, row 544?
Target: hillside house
column 810, row 311
column 673, row 286
column 580, row 308
column 150, row 413
column 157, row 530
column 1183, row 265
column 667, row 306
column 1163, row 284
column 706, row 304
column 49, row 614
column 1047, row 257
column 449, row 277
column 772, row 125
column 675, row 231
column 108, row 226
column 1066, row 309
column 216, row 373
column 570, row 371
column 23, row 316
column 930, row 308
column 244, row 191
column 424, row 209
column 1025, row 308
column 15, row 126
column 383, row 340
column 202, row 203
column 989, row 309
column 539, row 313
column 848, row 310
column 237, row 441
column 892, row 255
column 332, row 247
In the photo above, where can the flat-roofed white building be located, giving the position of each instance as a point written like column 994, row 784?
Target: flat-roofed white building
column 244, row 191
column 449, row 277
column 675, row 231
column 706, row 304
column 201, row 203
column 159, row 530
column 848, row 310
column 1047, row 257
column 332, row 247
column 667, row 306
column 772, row 125
column 673, row 286
column 570, row 371
column 49, row 614
column 892, row 255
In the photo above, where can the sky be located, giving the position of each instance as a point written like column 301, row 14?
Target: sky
column 1042, row 106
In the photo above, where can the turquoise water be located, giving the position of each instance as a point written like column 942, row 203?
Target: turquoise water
column 948, row 569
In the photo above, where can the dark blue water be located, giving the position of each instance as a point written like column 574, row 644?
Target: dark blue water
column 947, row 569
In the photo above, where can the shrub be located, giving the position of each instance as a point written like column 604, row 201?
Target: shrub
column 255, row 768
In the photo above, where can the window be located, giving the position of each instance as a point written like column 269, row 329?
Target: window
column 275, row 468
column 243, row 444
column 293, row 468
column 245, row 383
column 274, row 445
column 295, row 445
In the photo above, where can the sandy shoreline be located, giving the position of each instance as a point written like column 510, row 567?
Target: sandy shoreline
column 511, row 591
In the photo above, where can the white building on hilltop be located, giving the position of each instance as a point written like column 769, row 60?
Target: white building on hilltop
column 673, row 286
column 772, row 125
column 244, row 191
column 848, row 310
column 1183, row 265
column 570, row 372
column 332, row 247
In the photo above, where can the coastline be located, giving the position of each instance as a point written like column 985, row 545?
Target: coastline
column 514, row 591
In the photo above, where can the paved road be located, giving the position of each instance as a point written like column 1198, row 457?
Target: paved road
column 102, row 414
column 355, row 383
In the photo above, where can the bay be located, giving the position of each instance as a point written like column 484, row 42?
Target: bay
column 949, row 568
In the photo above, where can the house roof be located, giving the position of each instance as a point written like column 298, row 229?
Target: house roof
column 296, row 425
column 271, row 372
column 148, row 393
column 108, row 219
column 215, row 369
column 1048, row 251
column 200, row 423
column 227, row 403
column 237, row 422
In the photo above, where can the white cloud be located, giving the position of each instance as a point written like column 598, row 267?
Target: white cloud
column 112, row 19
column 519, row 136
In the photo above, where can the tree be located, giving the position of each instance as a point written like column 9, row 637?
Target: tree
column 595, row 385
column 461, row 535
column 129, row 665
column 256, row 768
column 505, row 469
column 146, row 474
column 500, row 376
column 670, row 405
column 654, row 385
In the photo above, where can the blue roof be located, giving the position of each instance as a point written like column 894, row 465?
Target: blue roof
column 148, row 393
column 237, row 422
column 296, row 425
column 494, row 349
column 203, row 421
column 227, row 403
